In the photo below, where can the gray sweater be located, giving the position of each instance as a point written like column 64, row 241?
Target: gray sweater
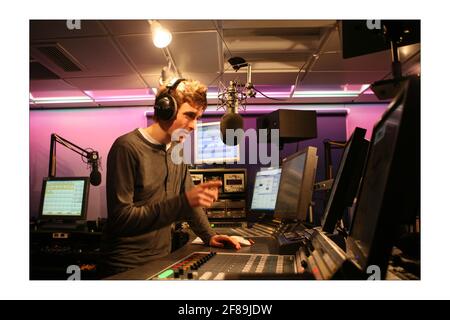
column 145, row 195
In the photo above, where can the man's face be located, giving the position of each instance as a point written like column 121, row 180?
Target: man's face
column 186, row 119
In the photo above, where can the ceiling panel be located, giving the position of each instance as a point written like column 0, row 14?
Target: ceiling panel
column 380, row 61
column 209, row 79
column 196, row 52
column 341, row 78
column 55, row 29
column 256, row 24
column 55, row 85
column 147, row 58
column 188, row 25
column 127, row 27
column 262, row 78
column 272, row 43
column 99, row 56
column 96, row 57
column 108, row 83
column 407, row 52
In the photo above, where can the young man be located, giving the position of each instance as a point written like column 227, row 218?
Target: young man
column 147, row 191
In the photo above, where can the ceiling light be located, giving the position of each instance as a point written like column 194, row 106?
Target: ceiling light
column 325, row 94
column 48, row 100
column 161, row 36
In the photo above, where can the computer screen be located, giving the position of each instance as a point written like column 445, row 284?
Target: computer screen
column 296, row 185
column 346, row 183
column 265, row 190
column 208, row 145
column 64, row 198
column 390, row 190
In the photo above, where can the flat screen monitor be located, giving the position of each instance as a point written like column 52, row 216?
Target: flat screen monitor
column 346, row 183
column 209, row 148
column 390, row 191
column 265, row 190
column 64, row 199
column 298, row 174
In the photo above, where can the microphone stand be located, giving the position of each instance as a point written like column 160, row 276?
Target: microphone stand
column 90, row 156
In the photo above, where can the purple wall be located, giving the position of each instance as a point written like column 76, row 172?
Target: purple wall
column 364, row 116
column 98, row 128
column 94, row 128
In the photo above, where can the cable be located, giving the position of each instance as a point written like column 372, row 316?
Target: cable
column 298, row 75
column 267, row 96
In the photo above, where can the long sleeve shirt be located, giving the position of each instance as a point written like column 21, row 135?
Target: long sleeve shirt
column 145, row 194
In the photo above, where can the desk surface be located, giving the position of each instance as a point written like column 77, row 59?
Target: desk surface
column 261, row 245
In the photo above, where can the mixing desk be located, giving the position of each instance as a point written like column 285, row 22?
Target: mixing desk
column 261, row 230
column 219, row 266
column 245, row 232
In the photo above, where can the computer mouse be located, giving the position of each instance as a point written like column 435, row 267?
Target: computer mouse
column 241, row 240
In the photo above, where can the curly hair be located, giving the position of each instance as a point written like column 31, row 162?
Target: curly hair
column 190, row 91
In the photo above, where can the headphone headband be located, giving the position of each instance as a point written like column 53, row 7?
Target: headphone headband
column 174, row 85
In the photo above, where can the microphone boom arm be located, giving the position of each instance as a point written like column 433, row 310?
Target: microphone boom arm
column 90, row 156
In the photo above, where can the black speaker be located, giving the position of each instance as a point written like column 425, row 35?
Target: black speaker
column 166, row 105
column 293, row 125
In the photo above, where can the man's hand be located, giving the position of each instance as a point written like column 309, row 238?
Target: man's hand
column 204, row 194
column 220, row 240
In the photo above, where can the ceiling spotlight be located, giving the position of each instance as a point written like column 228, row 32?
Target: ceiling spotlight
column 161, row 36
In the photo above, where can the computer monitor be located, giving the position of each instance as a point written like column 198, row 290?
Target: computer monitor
column 209, row 148
column 346, row 183
column 298, row 174
column 390, row 189
column 265, row 190
column 64, row 199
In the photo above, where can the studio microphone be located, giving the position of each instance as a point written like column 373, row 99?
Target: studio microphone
column 95, row 177
column 231, row 120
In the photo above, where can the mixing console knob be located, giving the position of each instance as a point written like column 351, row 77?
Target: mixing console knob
column 181, row 271
column 190, row 276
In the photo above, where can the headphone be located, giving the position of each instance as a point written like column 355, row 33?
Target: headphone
column 165, row 105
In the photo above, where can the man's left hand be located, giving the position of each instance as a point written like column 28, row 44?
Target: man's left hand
column 221, row 240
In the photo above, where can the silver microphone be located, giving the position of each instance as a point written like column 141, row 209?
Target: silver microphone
column 249, row 90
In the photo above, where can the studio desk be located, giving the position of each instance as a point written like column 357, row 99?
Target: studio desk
column 53, row 253
column 199, row 262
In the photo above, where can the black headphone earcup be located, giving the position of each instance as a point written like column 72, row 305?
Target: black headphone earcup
column 165, row 108
column 166, row 105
